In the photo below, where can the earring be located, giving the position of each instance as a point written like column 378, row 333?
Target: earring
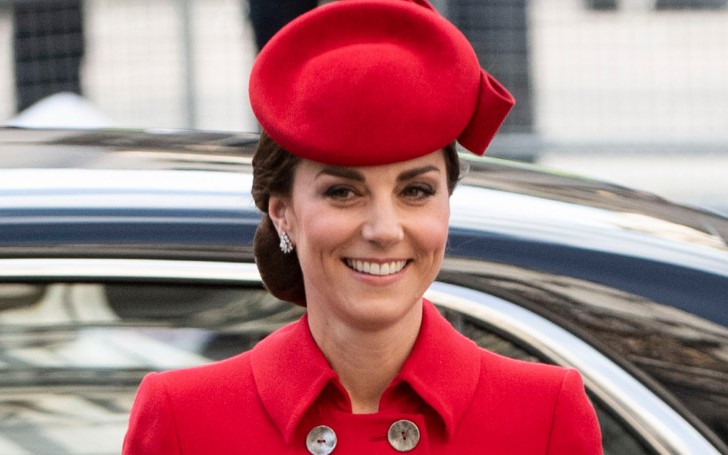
column 286, row 245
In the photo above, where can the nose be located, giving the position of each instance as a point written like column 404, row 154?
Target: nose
column 383, row 224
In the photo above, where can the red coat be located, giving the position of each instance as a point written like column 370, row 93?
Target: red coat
column 464, row 400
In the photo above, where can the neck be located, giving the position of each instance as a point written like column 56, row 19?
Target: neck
column 366, row 360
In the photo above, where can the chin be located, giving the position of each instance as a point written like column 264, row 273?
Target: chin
column 380, row 313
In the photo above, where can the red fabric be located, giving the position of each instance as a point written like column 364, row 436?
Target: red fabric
column 369, row 82
column 494, row 103
column 463, row 399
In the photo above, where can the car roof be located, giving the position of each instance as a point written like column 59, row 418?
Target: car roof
column 186, row 194
column 225, row 154
column 126, row 194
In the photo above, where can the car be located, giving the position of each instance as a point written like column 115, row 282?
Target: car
column 129, row 251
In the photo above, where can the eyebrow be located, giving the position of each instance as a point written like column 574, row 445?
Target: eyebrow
column 343, row 172
column 411, row 173
column 353, row 174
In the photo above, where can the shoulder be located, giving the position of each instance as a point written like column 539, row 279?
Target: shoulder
column 196, row 409
column 189, row 401
column 546, row 401
column 236, row 371
column 497, row 368
column 212, row 375
column 544, row 386
column 197, row 390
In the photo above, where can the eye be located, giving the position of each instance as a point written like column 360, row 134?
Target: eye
column 340, row 192
column 418, row 191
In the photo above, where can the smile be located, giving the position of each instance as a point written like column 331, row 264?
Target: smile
column 374, row 268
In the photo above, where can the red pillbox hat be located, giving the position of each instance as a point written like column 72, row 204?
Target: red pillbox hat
column 369, row 82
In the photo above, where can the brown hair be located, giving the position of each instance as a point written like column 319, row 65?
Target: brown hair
column 273, row 170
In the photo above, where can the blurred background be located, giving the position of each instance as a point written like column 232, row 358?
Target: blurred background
column 631, row 91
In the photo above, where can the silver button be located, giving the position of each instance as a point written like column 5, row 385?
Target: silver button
column 403, row 436
column 321, row 440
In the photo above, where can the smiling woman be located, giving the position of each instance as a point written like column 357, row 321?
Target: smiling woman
column 355, row 230
column 374, row 216
column 273, row 169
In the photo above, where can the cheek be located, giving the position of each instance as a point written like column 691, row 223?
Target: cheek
column 432, row 229
column 322, row 230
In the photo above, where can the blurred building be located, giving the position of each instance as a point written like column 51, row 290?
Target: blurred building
column 638, row 72
column 48, row 48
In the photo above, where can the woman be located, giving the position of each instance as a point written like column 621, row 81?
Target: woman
column 360, row 102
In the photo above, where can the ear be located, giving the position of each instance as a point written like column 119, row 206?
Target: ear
column 279, row 211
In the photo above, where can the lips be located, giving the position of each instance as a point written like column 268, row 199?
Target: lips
column 376, row 268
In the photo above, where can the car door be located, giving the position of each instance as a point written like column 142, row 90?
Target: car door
column 79, row 334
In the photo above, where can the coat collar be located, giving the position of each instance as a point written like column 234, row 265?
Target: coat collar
column 290, row 371
column 443, row 368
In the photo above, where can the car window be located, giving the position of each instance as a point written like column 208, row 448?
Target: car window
column 73, row 354
column 125, row 325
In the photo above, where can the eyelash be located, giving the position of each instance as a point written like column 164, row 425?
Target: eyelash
column 343, row 192
column 336, row 192
column 423, row 191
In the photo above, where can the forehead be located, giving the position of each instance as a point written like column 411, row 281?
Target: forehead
column 434, row 162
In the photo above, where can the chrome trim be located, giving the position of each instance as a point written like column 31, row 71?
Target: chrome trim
column 660, row 425
column 60, row 268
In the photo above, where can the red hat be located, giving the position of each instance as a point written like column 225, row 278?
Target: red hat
column 368, row 82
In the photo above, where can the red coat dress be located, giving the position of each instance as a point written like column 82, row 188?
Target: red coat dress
column 460, row 398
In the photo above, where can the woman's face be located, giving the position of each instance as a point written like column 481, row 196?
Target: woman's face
column 370, row 240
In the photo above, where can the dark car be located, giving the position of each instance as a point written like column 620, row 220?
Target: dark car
column 123, row 252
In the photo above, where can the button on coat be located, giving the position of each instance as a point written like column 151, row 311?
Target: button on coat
column 403, row 435
column 321, row 440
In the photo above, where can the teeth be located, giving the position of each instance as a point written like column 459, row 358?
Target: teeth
column 373, row 268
